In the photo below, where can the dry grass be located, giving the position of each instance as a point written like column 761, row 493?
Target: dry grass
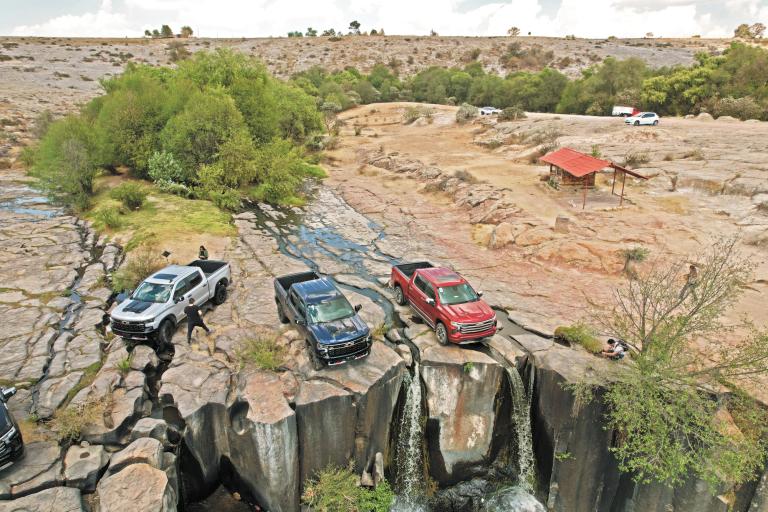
column 674, row 204
column 70, row 421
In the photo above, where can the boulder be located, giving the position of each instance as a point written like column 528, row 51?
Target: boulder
column 53, row 392
column 58, row 499
column 462, row 393
column 704, row 116
column 727, row 119
column 156, row 429
column 503, row 234
column 138, row 487
column 39, row 469
column 143, row 359
column 83, row 465
column 142, row 451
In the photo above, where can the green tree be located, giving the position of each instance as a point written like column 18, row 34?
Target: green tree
column 311, row 32
column 165, row 31
column 513, row 32
column 354, row 27
column 147, row 33
column 186, row 31
column 671, row 419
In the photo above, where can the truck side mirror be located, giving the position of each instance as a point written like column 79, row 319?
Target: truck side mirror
column 8, row 393
column 431, row 302
column 358, row 307
column 480, row 293
column 300, row 321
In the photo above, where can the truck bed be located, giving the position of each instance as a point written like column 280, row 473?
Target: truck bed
column 286, row 282
column 208, row 266
column 407, row 269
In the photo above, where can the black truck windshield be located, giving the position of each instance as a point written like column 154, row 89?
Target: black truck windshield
column 330, row 311
column 458, row 294
column 152, row 292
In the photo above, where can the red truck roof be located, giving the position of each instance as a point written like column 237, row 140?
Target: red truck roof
column 441, row 276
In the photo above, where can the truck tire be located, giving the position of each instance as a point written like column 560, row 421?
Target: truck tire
column 165, row 333
column 637, row 123
column 281, row 314
column 442, row 333
column 399, row 295
column 220, row 295
column 655, row 123
column 317, row 363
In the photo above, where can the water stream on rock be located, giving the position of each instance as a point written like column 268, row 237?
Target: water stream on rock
column 521, row 412
column 410, row 470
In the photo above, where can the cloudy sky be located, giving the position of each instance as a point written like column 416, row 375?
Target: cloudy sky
column 250, row 18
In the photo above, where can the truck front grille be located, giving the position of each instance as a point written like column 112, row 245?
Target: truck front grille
column 121, row 325
column 477, row 327
column 350, row 347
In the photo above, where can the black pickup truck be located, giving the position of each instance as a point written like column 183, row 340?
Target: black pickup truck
column 333, row 330
column 11, row 443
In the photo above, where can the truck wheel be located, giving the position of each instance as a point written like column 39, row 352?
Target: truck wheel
column 281, row 314
column 637, row 123
column 165, row 332
column 441, row 333
column 317, row 364
column 399, row 295
column 220, row 295
column 655, row 123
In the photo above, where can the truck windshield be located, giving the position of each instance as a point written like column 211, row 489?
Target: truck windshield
column 330, row 311
column 458, row 294
column 152, row 292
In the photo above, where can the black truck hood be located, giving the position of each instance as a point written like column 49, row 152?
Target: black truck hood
column 339, row 331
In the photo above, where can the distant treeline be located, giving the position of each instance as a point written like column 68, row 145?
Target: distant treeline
column 734, row 83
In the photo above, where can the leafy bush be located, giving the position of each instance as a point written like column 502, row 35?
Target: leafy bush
column 264, row 354
column 512, row 114
column 132, row 195
column 336, row 490
column 109, row 218
column 741, row 108
column 580, row 334
column 178, row 189
column 636, row 158
column 466, row 113
column 228, row 200
column 411, row 114
column 140, row 264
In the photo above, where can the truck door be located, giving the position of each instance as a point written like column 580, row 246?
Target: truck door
column 420, row 295
column 295, row 307
column 198, row 288
column 180, row 298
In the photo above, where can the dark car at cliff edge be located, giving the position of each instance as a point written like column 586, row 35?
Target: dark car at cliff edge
column 11, row 442
column 333, row 330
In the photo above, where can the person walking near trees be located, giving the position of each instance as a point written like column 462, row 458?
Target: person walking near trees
column 691, row 280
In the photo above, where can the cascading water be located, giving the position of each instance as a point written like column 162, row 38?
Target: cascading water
column 521, row 411
column 519, row 498
column 410, row 471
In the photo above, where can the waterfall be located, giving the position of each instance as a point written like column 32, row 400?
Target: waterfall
column 410, row 472
column 521, row 415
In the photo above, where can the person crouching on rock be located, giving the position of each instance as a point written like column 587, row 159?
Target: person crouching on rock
column 615, row 350
column 194, row 319
column 203, row 253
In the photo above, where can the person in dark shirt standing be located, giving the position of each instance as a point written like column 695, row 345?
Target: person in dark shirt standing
column 194, row 319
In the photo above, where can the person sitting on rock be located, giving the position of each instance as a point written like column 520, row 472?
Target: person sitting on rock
column 615, row 350
column 203, row 254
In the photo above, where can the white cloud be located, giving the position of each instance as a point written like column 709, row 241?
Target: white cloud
column 234, row 18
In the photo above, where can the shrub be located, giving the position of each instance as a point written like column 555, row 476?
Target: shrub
column 124, row 365
column 178, row 189
column 579, row 334
column 164, row 167
column 141, row 263
column 742, row 108
column 108, row 218
column 68, row 423
column 411, row 114
column 42, row 123
column 336, row 490
column 636, row 158
column 512, row 114
column 132, row 195
column 228, row 200
column 264, row 354
column 466, row 113
column 177, row 51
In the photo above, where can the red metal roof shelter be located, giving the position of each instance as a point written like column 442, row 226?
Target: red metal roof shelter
column 583, row 167
column 575, row 163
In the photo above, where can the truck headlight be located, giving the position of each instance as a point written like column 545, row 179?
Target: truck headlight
column 322, row 347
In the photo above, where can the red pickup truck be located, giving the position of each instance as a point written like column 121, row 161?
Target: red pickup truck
column 445, row 301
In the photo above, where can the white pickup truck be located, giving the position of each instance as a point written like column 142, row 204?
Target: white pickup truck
column 155, row 308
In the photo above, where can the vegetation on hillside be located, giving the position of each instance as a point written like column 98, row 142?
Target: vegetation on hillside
column 678, row 407
column 735, row 84
column 337, row 489
column 215, row 127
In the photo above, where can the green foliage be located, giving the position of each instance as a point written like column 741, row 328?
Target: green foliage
column 130, row 194
column 512, row 114
column 336, row 490
column 741, row 108
column 580, row 334
column 64, row 163
column 466, row 113
column 124, row 365
column 140, row 264
column 411, row 114
column 264, row 354
column 468, row 366
column 108, row 218
column 163, row 167
column 671, row 420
